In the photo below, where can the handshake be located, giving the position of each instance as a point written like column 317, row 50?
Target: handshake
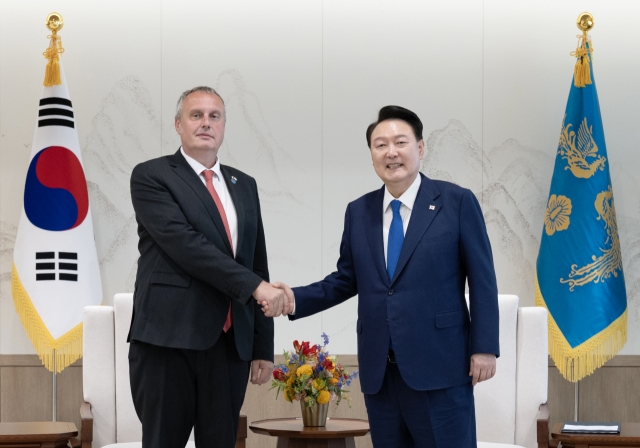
column 276, row 299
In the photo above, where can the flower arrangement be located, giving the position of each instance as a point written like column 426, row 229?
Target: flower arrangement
column 309, row 374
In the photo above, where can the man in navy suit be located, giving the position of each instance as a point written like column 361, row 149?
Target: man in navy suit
column 407, row 251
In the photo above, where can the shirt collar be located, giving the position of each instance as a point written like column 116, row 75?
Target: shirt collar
column 198, row 167
column 408, row 198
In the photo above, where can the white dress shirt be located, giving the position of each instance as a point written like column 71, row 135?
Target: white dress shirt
column 223, row 192
column 407, row 199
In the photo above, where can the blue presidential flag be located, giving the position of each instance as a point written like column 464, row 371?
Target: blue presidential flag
column 579, row 275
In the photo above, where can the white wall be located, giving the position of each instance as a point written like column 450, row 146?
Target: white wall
column 301, row 81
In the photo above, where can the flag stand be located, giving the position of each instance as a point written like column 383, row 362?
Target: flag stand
column 576, row 401
column 55, row 394
column 55, row 228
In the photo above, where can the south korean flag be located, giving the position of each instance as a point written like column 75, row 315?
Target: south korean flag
column 55, row 266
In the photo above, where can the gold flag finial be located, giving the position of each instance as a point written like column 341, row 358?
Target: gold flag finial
column 582, row 71
column 585, row 22
column 52, row 54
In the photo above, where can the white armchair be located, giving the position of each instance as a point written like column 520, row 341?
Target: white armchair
column 108, row 416
column 511, row 408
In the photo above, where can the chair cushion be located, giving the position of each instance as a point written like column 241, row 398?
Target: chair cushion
column 496, row 399
column 484, row 445
column 533, row 371
column 98, row 376
column 129, row 428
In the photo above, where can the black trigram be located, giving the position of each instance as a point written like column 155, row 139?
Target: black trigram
column 51, row 114
column 67, row 261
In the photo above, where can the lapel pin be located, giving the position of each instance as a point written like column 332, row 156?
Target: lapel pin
column 233, row 180
column 432, row 207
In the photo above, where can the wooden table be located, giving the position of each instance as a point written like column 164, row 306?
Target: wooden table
column 291, row 433
column 37, row 434
column 629, row 436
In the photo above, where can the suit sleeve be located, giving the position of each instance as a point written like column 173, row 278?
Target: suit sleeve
column 477, row 260
column 160, row 214
column 335, row 288
column 263, row 346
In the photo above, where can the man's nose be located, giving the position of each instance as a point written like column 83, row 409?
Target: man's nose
column 393, row 151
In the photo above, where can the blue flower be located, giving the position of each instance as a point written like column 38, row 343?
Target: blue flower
column 321, row 357
column 284, row 369
column 354, row 375
column 325, row 338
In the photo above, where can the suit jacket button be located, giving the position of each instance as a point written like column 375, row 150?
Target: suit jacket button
column 391, row 292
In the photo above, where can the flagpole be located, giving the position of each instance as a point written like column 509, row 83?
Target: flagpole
column 55, row 389
column 576, row 401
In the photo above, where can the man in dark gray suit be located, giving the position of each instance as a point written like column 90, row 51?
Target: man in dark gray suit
column 196, row 329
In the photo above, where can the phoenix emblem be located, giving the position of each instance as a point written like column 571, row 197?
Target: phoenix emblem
column 581, row 153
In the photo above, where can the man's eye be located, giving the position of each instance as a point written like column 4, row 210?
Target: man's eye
column 196, row 115
column 381, row 145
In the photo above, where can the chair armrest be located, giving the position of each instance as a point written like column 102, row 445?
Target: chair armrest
column 86, row 432
column 543, row 426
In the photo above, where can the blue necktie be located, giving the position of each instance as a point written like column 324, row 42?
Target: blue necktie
column 396, row 238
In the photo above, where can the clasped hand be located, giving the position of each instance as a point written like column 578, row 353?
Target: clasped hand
column 276, row 299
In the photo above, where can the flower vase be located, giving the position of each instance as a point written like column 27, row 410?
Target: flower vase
column 315, row 415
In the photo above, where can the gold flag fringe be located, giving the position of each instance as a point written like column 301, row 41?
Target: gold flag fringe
column 578, row 362
column 52, row 73
column 582, row 70
column 68, row 348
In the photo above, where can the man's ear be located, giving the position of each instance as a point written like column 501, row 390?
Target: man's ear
column 178, row 126
column 421, row 148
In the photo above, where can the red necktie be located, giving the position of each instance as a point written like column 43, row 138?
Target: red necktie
column 208, row 175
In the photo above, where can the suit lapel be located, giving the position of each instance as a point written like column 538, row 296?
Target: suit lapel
column 425, row 208
column 182, row 169
column 373, row 229
column 236, row 192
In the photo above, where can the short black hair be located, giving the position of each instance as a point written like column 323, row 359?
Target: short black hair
column 396, row 113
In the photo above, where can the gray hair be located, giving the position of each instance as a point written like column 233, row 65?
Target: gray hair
column 186, row 93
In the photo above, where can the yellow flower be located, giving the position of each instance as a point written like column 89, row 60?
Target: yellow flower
column 288, row 394
column 556, row 218
column 323, row 397
column 333, row 381
column 319, row 384
column 290, row 380
column 303, row 370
